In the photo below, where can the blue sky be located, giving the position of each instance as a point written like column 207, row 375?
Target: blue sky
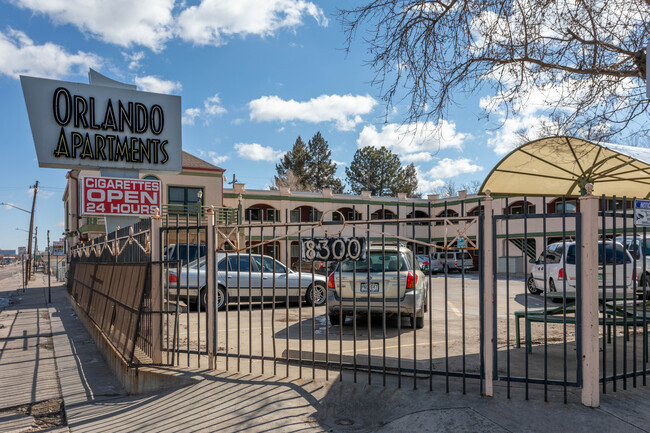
column 252, row 77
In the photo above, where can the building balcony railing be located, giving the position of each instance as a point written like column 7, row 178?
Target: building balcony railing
column 173, row 213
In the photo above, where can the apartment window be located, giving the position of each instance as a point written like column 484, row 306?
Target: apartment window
column 519, row 209
column 183, row 199
column 252, row 214
column 272, row 215
column 571, row 206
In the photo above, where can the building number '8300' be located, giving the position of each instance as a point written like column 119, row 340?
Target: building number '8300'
column 333, row 249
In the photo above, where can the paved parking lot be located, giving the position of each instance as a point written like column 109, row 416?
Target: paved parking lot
column 449, row 340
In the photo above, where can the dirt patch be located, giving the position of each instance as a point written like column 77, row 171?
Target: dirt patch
column 288, row 319
column 47, row 414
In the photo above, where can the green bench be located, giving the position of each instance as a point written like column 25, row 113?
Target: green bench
column 555, row 315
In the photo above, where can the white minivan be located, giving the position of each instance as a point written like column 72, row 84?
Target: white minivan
column 558, row 263
column 641, row 249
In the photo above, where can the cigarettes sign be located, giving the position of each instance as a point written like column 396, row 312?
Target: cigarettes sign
column 58, row 248
column 112, row 196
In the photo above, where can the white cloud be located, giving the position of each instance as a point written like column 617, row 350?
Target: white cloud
column 60, row 224
column 417, row 157
column 214, row 21
column 218, row 159
column 413, row 138
column 190, row 115
column 447, row 167
column 339, row 163
column 257, row 152
column 215, row 157
column 211, row 107
column 151, row 83
column 122, row 22
column 428, row 186
column 345, row 110
column 133, row 59
column 20, row 56
column 510, row 134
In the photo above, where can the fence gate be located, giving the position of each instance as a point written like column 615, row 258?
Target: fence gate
column 537, row 312
column 293, row 298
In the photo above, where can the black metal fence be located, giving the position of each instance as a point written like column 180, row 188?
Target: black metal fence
column 537, row 268
column 359, row 317
column 126, row 245
column 111, row 279
column 625, row 303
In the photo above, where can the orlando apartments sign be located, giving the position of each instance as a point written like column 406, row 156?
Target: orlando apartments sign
column 77, row 125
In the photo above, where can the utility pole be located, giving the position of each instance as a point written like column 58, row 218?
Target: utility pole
column 29, row 240
column 49, row 286
column 35, row 247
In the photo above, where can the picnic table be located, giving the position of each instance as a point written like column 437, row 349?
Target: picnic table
column 615, row 313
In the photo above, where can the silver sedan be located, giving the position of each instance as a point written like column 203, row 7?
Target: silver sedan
column 247, row 277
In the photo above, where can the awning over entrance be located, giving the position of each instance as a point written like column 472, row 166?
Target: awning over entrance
column 563, row 165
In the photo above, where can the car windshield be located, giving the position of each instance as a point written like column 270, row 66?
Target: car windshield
column 379, row 262
column 635, row 246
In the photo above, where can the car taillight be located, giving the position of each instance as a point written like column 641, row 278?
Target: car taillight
column 456, row 263
column 425, row 263
column 330, row 281
column 560, row 274
column 172, row 278
column 411, row 280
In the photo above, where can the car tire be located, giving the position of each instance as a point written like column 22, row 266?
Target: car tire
column 417, row 322
column 222, row 299
column 551, row 285
column 336, row 319
column 531, row 286
column 316, row 295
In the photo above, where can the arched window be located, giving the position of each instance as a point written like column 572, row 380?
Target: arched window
column 305, row 214
column 262, row 212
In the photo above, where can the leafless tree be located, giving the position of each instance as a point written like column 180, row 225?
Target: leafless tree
column 290, row 180
column 471, row 187
column 584, row 61
column 449, row 189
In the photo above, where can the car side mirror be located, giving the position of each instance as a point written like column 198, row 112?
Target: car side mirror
column 532, row 261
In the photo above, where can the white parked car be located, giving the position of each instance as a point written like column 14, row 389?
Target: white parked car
column 453, row 260
column 247, row 276
column 558, row 263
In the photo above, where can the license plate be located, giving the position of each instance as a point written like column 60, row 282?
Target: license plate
column 374, row 287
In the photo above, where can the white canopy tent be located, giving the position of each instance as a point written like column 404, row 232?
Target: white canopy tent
column 564, row 165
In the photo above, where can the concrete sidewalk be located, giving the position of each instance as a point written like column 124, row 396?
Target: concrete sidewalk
column 52, row 378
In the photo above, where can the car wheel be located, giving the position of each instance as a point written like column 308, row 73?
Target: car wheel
column 643, row 281
column 221, row 299
column 336, row 319
column 551, row 286
column 316, row 295
column 532, row 288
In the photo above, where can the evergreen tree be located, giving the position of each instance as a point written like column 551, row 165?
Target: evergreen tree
column 321, row 170
column 407, row 181
column 375, row 170
column 294, row 161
